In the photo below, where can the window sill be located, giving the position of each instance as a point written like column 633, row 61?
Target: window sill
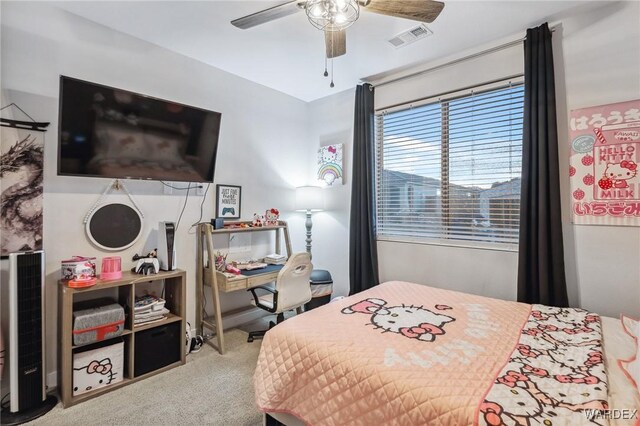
column 512, row 248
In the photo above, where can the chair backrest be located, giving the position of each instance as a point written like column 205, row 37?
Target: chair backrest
column 292, row 284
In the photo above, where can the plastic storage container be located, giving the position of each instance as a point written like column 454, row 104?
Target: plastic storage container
column 102, row 321
column 321, row 289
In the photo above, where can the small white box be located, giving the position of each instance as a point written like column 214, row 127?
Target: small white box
column 97, row 368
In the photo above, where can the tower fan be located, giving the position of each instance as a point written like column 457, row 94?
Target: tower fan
column 26, row 340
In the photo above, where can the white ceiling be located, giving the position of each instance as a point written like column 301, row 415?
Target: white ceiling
column 288, row 54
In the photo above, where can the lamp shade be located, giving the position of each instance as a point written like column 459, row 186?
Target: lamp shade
column 309, row 198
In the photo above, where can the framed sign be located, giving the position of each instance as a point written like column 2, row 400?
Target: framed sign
column 228, row 198
column 604, row 166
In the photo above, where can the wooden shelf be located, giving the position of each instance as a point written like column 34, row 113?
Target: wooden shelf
column 125, row 332
column 281, row 225
column 168, row 320
column 125, row 287
column 128, row 278
column 125, row 381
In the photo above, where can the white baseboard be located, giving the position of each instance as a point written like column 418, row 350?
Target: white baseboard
column 52, row 380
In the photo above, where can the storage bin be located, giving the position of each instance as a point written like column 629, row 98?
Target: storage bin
column 157, row 347
column 321, row 289
column 97, row 366
column 94, row 324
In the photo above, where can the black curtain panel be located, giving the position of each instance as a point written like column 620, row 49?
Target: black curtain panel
column 541, row 276
column 363, row 253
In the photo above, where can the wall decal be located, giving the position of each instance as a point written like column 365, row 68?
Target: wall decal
column 330, row 165
column 604, row 166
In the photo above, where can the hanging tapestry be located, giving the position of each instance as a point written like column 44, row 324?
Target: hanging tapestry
column 21, row 168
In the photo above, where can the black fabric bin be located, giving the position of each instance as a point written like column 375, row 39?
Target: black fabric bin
column 320, row 277
column 157, row 347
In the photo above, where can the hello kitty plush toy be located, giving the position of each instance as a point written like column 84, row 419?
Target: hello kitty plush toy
column 271, row 217
column 413, row 322
column 620, row 173
column 258, row 220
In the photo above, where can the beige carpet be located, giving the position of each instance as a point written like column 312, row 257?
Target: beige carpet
column 210, row 389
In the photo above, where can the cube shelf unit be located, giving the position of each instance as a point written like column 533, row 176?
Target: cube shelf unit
column 175, row 296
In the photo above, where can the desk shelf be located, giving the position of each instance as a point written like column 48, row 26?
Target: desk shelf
column 208, row 276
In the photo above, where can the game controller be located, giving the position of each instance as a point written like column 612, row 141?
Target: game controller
column 147, row 266
column 226, row 210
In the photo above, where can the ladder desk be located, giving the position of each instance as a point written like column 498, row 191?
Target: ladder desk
column 208, row 276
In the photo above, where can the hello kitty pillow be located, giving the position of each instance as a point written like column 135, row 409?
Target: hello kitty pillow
column 631, row 366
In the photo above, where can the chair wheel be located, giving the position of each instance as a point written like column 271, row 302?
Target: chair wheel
column 249, row 339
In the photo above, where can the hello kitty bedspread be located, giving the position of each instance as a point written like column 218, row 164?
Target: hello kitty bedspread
column 404, row 353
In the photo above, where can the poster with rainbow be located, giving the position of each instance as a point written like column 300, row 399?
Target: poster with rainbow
column 330, row 165
column 604, row 164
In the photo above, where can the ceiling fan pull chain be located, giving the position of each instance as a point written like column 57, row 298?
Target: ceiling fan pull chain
column 332, row 85
column 326, row 73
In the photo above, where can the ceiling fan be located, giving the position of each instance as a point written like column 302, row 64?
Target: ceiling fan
column 334, row 16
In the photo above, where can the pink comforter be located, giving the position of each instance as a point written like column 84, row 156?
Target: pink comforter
column 404, row 353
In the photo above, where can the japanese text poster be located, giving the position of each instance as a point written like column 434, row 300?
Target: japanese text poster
column 604, row 159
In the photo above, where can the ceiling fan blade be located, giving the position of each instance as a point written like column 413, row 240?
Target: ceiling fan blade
column 270, row 14
column 416, row 10
column 336, row 43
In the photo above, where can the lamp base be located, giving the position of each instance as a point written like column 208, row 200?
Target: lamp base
column 309, row 224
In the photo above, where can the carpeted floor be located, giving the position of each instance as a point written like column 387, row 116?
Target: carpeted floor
column 211, row 389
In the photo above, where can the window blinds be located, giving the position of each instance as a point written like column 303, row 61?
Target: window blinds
column 449, row 169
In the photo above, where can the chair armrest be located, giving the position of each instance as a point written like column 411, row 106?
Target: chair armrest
column 257, row 300
column 263, row 287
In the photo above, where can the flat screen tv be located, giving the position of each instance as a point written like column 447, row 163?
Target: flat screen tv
column 114, row 133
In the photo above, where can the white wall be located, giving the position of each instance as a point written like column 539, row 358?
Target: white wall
column 331, row 122
column 598, row 62
column 260, row 128
column 597, row 56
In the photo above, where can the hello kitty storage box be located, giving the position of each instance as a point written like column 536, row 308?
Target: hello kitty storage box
column 102, row 320
column 97, row 367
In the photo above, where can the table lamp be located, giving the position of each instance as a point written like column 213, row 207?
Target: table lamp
column 309, row 199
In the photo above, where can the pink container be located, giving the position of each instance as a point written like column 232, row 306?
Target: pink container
column 111, row 268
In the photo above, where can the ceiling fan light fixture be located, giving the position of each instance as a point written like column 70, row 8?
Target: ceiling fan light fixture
column 332, row 15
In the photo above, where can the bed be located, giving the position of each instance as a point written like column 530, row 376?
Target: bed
column 403, row 353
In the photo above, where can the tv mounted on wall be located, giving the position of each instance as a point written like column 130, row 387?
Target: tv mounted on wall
column 114, row 133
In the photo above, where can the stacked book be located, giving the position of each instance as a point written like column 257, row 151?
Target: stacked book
column 148, row 309
column 275, row 259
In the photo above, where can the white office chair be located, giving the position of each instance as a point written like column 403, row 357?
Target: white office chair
column 292, row 290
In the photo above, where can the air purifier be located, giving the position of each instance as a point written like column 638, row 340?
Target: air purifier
column 26, row 339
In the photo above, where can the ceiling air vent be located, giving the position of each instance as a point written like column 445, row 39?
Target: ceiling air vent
column 411, row 35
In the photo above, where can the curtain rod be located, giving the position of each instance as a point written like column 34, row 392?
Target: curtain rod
column 456, row 61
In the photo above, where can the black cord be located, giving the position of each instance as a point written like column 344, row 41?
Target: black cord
column 3, row 404
column 204, row 197
column 181, row 189
column 186, row 198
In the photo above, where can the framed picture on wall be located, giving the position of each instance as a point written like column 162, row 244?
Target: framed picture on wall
column 228, row 201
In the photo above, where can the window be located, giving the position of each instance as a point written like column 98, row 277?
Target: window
column 449, row 169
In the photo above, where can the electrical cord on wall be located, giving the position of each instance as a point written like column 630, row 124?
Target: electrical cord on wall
column 204, row 197
column 186, row 198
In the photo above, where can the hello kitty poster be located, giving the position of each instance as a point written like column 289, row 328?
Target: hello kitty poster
column 330, row 165
column 604, row 166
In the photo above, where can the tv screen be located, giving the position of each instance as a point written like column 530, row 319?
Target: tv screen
column 114, row 133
